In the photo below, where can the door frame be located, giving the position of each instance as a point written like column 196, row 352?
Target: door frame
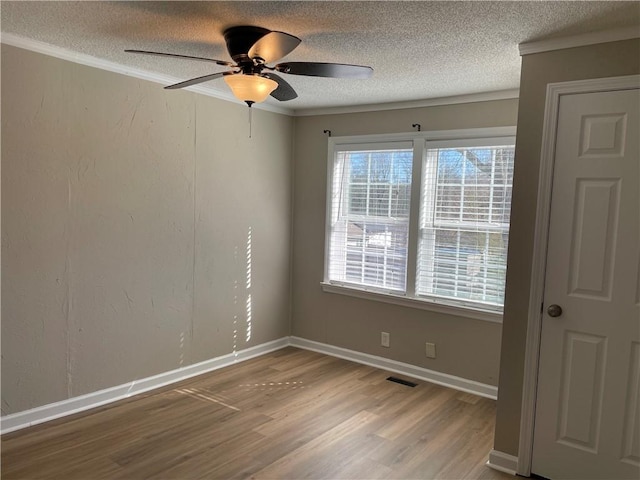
column 541, row 235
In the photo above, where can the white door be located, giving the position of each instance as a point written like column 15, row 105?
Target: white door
column 587, row 422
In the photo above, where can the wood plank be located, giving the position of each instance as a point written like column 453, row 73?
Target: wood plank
column 287, row 414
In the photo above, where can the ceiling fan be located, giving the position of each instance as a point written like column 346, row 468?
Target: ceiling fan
column 251, row 79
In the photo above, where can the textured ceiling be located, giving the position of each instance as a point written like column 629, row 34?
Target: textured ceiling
column 419, row 50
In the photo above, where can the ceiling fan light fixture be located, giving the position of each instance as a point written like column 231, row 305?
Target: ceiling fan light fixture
column 251, row 49
column 250, row 88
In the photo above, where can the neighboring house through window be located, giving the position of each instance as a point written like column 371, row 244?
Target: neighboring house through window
column 421, row 219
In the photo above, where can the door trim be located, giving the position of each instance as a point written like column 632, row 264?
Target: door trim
column 545, row 180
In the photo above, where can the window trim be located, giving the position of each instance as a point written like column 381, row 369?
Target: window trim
column 421, row 141
column 420, row 303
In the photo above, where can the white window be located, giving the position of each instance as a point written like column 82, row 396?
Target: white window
column 464, row 223
column 370, row 198
column 421, row 217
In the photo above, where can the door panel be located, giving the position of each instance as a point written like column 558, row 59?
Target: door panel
column 581, row 390
column 631, row 442
column 587, row 416
column 594, row 235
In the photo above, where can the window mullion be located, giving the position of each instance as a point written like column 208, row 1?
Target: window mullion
column 457, row 265
column 430, row 190
column 493, row 185
column 414, row 215
column 363, row 254
column 390, row 188
column 345, row 190
column 462, row 182
column 386, row 244
column 485, row 261
column 461, row 220
column 487, row 251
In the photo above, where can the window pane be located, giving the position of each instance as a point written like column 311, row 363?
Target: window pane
column 464, row 219
column 469, row 265
column 370, row 197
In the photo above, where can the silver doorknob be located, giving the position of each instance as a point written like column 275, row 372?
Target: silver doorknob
column 554, row 310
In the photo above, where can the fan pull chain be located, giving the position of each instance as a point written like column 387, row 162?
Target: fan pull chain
column 250, row 120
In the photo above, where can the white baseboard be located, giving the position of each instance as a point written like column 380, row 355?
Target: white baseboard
column 451, row 381
column 45, row 413
column 503, row 462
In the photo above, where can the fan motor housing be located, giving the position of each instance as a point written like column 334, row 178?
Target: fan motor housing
column 240, row 40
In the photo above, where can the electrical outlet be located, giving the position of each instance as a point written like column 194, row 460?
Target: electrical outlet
column 430, row 350
column 384, row 339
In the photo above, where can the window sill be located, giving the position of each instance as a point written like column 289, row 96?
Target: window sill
column 424, row 304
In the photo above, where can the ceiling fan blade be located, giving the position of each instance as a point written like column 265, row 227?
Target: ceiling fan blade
column 175, row 55
column 284, row 91
column 273, row 46
column 316, row 69
column 194, row 81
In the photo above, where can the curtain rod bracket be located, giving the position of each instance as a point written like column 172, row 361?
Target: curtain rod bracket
column 418, row 126
column 328, row 132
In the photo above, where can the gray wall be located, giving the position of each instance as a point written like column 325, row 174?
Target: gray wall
column 126, row 213
column 467, row 348
column 597, row 61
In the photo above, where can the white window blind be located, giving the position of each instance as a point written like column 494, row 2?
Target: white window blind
column 464, row 224
column 421, row 219
column 369, row 225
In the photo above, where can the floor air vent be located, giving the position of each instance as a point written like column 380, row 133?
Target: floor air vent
column 402, row 382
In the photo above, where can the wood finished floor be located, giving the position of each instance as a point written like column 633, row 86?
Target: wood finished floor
column 291, row 414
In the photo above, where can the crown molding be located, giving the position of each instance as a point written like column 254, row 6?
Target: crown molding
column 429, row 102
column 590, row 38
column 90, row 61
